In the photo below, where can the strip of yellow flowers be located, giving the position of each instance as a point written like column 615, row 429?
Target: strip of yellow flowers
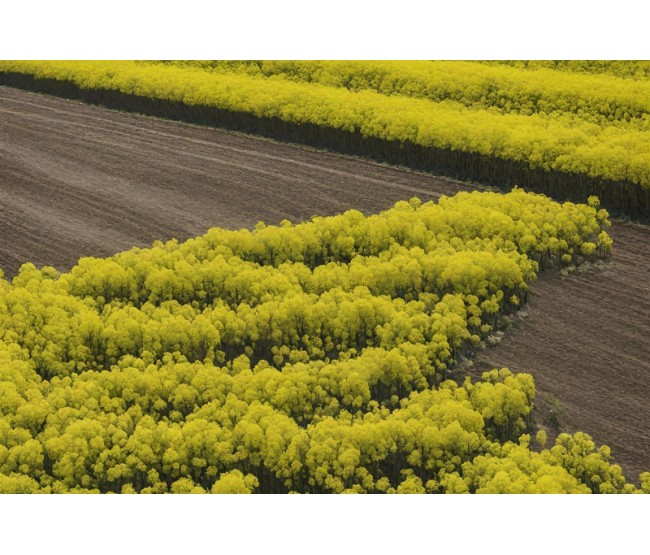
column 601, row 98
column 564, row 143
column 295, row 358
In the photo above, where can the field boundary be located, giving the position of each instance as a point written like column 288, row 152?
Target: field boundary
column 620, row 198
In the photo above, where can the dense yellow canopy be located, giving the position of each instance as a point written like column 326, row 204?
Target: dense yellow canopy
column 307, row 358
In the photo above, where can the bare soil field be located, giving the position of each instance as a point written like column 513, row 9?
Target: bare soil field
column 79, row 180
column 586, row 340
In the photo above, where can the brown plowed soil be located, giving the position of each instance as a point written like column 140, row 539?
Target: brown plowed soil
column 79, row 180
column 585, row 338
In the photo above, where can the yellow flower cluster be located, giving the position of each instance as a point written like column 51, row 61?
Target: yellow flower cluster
column 306, row 358
column 577, row 124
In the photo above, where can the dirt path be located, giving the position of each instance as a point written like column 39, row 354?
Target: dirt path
column 79, row 180
column 586, row 340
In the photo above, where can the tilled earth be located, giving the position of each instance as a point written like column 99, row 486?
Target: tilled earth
column 78, row 180
column 585, row 338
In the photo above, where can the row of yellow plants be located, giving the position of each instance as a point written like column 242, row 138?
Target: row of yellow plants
column 306, row 358
column 598, row 98
column 565, row 142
